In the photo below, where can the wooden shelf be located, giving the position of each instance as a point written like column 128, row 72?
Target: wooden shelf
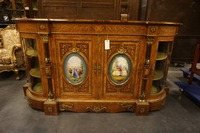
column 35, row 72
column 32, row 52
column 158, row 75
column 154, row 90
column 38, row 88
column 161, row 56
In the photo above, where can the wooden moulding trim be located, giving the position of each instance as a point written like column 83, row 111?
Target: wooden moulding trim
column 97, row 21
column 96, row 101
column 157, row 99
column 29, row 95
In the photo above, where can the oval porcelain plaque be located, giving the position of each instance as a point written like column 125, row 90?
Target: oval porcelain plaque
column 75, row 68
column 119, row 69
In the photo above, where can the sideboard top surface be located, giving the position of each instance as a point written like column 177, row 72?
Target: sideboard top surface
column 96, row 21
column 103, row 27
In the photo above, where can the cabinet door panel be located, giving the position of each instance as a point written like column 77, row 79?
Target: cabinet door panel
column 75, row 63
column 121, row 65
column 34, row 64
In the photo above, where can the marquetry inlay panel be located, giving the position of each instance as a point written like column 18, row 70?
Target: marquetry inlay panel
column 167, row 30
column 84, row 87
column 100, row 29
column 121, row 49
column 70, row 51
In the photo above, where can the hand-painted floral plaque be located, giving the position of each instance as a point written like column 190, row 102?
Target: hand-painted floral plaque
column 119, row 69
column 75, row 68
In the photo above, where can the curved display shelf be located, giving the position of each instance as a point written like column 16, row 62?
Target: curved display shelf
column 154, row 90
column 38, row 88
column 32, row 52
column 35, row 72
column 158, row 75
column 35, row 9
column 161, row 56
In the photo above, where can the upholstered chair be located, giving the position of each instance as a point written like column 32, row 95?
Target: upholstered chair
column 10, row 50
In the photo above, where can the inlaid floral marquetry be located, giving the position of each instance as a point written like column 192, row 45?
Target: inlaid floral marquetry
column 64, row 48
column 100, row 29
column 74, row 46
column 67, row 87
column 131, row 49
column 167, row 30
column 84, row 48
column 126, row 88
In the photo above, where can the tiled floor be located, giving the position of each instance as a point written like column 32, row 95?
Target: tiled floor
column 179, row 115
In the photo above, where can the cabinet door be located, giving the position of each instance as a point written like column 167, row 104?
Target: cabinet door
column 160, row 57
column 74, row 60
column 121, row 66
column 34, row 63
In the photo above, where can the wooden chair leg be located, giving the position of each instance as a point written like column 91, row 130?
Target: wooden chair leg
column 191, row 78
column 16, row 71
column 194, row 69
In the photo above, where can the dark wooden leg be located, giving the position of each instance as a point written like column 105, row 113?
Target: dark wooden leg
column 191, row 78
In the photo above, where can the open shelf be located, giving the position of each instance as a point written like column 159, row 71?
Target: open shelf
column 161, row 56
column 154, row 90
column 158, row 75
column 35, row 72
column 32, row 52
column 38, row 88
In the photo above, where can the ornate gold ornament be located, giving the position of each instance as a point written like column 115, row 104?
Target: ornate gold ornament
column 122, row 51
column 150, row 40
column 42, row 27
column 45, row 38
column 50, row 109
column 64, row 107
column 129, row 107
column 74, row 50
column 142, row 110
column 153, row 29
column 96, row 109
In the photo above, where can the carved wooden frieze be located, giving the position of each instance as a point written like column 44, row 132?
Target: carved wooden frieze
column 113, row 49
column 131, row 49
column 126, row 88
column 100, row 29
column 84, row 48
column 167, row 30
column 64, row 48
column 74, row 46
column 68, row 87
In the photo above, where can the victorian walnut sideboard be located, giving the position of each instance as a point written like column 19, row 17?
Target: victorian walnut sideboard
column 96, row 65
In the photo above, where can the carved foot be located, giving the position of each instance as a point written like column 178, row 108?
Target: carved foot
column 16, row 74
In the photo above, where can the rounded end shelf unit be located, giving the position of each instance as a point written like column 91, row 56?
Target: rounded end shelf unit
column 32, row 65
column 161, row 66
column 96, row 66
